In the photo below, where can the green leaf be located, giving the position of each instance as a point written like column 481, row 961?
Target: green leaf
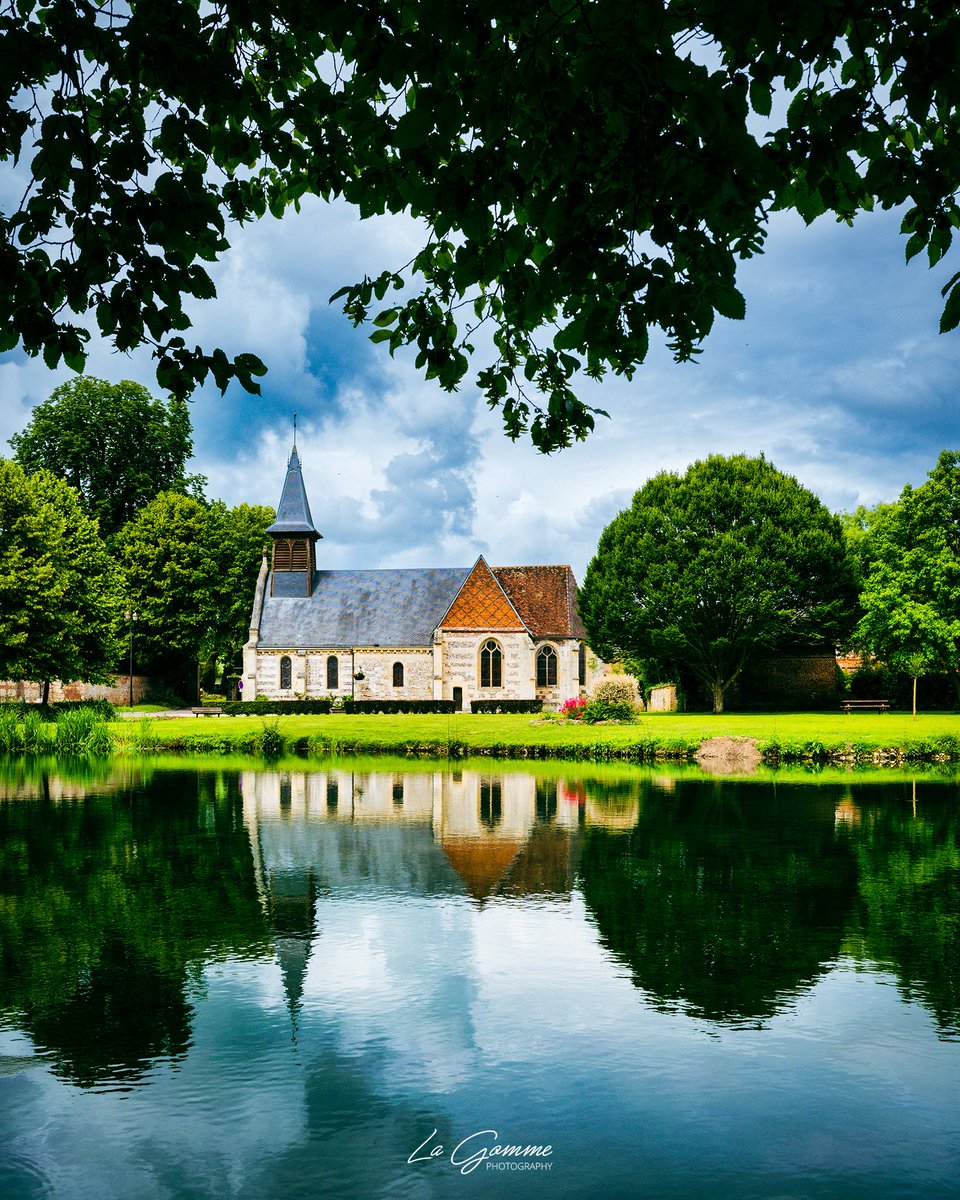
column 950, row 317
column 729, row 303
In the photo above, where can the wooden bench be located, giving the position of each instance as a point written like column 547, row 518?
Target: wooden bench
column 207, row 711
column 865, row 705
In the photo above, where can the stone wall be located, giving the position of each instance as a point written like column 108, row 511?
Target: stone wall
column 308, row 674
column 117, row 693
column 460, row 666
column 376, row 666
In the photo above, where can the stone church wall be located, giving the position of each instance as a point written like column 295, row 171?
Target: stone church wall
column 308, row 675
column 376, row 666
column 460, row 655
column 117, row 693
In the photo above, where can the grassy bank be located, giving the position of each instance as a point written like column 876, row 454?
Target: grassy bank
column 780, row 737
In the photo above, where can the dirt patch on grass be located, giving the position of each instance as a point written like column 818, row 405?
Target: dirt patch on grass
column 729, row 756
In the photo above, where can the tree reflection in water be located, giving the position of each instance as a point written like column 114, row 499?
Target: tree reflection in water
column 723, row 900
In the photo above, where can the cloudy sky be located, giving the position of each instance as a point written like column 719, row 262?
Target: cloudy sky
column 838, row 375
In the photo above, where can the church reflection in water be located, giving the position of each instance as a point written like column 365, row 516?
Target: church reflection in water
column 427, row 833
column 721, row 900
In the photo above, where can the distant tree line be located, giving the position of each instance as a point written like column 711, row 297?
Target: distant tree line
column 100, row 519
column 707, row 570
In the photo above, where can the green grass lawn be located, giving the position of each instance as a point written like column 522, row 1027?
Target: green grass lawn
column 672, row 733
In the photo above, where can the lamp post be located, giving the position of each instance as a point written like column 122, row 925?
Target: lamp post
column 131, row 617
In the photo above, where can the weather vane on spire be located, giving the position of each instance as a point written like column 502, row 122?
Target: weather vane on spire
column 294, row 429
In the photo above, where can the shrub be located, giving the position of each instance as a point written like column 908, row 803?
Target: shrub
column 617, row 689
column 607, row 710
column 573, row 708
column 270, row 740
column 506, row 706
column 398, row 706
column 262, row 708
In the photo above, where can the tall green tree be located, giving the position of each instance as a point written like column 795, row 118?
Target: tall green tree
column 584, row 173
column 59, row 585
column 113, row 442
column 704, row 570
column 236, row 537
column 911, row 594
column 190, row 572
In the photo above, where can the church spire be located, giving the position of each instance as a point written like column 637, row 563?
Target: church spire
column 293, row 511
column 294, row 536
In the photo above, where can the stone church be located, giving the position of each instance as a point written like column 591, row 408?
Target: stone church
column 426, row 633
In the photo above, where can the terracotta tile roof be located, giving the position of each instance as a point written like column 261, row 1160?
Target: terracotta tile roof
column 481, row 862
column 481, row 604
column 545, row 598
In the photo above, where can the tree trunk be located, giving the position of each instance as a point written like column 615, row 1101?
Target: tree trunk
column 914, row 697
column 716, row 691
column 45, row 693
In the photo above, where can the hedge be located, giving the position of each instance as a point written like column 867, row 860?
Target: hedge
column 48, row 712
column 255, row 708
column 506, row 706
column 399, row 706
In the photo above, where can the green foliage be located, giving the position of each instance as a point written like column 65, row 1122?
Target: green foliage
column 607, row 710
column 270, row 741
column 59, row 586
column 397, row 706
column 259, row 707
column 504, row 706
column 581, row 176
column 113, row 443
column 191, row 569
column 617, row 689
column 79, row 731
column 911, row 594
column 704, row 570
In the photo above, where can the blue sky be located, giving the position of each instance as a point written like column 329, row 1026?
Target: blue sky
column 838, row 375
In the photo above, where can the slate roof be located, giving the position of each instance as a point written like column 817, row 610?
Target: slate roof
column 362, row 608
column 293, row 511
column 545, row 598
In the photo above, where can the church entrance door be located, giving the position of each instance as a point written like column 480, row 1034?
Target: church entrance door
column 458, row 698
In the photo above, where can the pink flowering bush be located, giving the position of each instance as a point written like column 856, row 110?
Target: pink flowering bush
column 573, row 708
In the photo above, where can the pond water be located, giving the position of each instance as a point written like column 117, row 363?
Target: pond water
column 352, row 981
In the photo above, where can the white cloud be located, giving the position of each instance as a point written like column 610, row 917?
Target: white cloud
column 837, row 375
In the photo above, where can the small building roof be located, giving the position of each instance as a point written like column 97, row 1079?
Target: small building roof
column 293, row 511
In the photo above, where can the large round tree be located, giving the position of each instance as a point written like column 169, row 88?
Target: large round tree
column 113, row 442
column 704, row 570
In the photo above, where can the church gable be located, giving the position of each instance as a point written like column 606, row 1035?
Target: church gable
column 545, row 598
column 482, row 604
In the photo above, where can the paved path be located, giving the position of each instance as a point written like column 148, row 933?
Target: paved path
column 160, row 716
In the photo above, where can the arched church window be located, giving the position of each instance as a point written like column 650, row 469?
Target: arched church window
column 398, row 674
column 281, row 555
column 286, row 673
column 333, row 673
column 491, row 665
column 299, row 558
column 546, row 666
